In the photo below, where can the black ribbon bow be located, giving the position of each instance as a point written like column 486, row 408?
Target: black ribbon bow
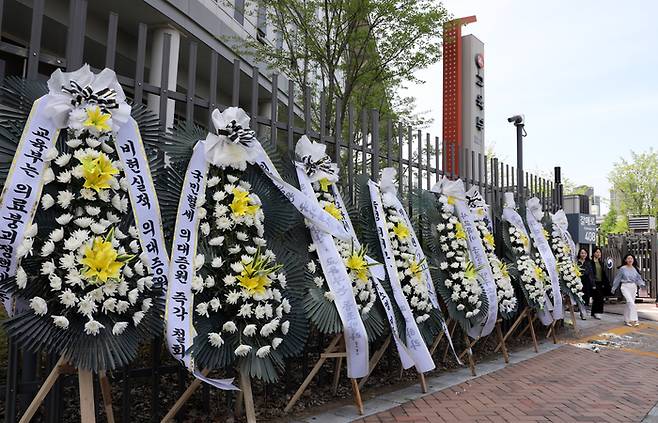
column 237, row 134
column 106, row 98
column 312, row 167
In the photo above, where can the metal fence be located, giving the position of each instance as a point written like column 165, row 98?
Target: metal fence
column 645, row 249
column 363, row 143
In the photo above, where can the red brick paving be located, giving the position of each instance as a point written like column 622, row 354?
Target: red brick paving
column 564, row 385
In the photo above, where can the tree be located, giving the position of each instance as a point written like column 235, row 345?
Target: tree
column 636, row 182
column 613, row 223
column 360, row 51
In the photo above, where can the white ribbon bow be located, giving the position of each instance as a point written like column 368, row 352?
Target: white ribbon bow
column 231, row 145
column 534, row 207
column 509, row 202
column 317, row 164
column 560, row 220
column 68, row 90
column 452, row 188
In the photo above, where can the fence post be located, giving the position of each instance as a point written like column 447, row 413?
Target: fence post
column 374, row 136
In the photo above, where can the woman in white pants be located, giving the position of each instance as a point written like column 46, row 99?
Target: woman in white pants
column 629, row 279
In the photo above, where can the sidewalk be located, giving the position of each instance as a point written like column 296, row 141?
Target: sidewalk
column 567, row 382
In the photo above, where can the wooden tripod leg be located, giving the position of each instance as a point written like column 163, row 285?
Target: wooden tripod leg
column 436, row 342
column 531, row 323
column 196, row 383
column 375, row 360
column 511, row 330
column 423, row 382
column 471, row 363
column 551, row 331
column 86, row 382
column 337, row 368
column 357, row 396
column 245, row 386
column 43, row 391
column 312, row 374
column 572, row 306
column 532, row 317
column 501, row 341
column 468, row 347
column 106, row 390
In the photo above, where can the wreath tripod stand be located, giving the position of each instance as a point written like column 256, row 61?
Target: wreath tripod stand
column 86, row 384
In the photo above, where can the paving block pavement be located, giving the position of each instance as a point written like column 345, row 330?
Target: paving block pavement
column 567, row 384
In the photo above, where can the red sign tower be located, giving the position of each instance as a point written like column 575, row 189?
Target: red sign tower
column 452, row 92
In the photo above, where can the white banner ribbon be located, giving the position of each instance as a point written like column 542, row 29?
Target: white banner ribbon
column 378, row 274
column 511, row 216
column 533, row 216
column 414, row 341
column 455, row 189
column 22, row 190
column 143, row 200
column 180, row 299
column 560, row 222
column 340, row 284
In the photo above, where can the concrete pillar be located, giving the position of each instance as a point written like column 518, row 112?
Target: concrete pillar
column 155, row 73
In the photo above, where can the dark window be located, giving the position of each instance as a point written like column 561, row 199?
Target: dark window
column 238, row 14
column 262, row 19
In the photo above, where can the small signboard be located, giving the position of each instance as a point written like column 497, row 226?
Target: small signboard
column 582, row 228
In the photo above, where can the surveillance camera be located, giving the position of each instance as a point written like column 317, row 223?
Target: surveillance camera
column 517, row 119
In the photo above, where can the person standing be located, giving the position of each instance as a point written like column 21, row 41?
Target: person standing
column 628, row 279
column 601, row 283
column 585, row 277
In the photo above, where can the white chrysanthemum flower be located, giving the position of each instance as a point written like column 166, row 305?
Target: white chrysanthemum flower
column 31, row 231
column 84, row 222
column 39, row 306
column 242, row 350
column 92, row 327
column 276, row 342
column 61, row 322
column 216, row 241
column 263, row 351
column 285, row 327
column 64, row 199
column 55, row 282
column 229, row 327
column 137, row 317
column 64, row 177
column 64, row 218
column 249, row 330
column 202, row 309
column 119, row 328
column 232, row 297
column 21, row 277
column 215, row 339
column 47, row 249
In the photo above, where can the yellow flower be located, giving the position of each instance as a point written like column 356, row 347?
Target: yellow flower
column 242, row 204
column 324, row 184
column 415, row 268
column 401, row 230
column 333, row 210
column 470, row 272
column 97, row 172
column 452, row 200
column 545, row 233
column 539, row 273
column 577, row 271
column 524, row 240
column 357, row 263
column 101, row 261
column 459, row 231
column 503, row 269
column 97, row 119
column 489, row 239
column 255, row 275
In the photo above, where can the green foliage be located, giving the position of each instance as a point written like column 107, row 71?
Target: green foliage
column 636, row 182
column 613, row 223
column 360, row 51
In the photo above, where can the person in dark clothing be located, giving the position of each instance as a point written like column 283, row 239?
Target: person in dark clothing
column 601, row 284
column 586, row 277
